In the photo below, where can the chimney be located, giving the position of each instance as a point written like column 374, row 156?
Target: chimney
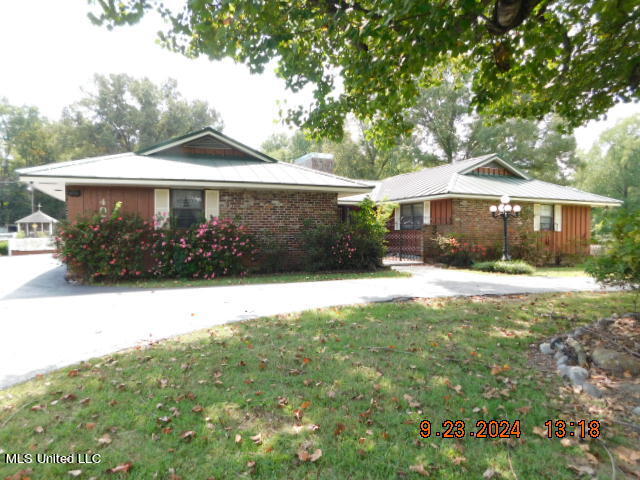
column 317, row 161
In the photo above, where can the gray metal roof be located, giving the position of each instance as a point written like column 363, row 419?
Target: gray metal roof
column 129, row 166
column 37, row 217
column 453, row 180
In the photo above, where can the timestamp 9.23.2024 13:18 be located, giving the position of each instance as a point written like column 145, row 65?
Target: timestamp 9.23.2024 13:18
column 510, row 429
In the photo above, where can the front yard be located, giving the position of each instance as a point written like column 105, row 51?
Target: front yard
column 331, row 394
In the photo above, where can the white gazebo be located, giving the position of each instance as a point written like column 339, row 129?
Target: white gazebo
column 37, row 222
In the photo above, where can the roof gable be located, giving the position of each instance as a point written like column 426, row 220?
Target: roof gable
column 492, row 161
column 206, row 141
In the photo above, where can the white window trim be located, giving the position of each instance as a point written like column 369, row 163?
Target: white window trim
column 211, row 204
column 426, row 212
column 161, row 206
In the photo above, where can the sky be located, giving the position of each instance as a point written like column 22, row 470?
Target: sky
column 49, row 51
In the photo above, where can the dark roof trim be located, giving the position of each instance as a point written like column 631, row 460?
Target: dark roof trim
column 172, row 142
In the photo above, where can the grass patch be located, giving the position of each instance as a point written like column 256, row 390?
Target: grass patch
column 513, row 267
column 256, row 279
column 353, row 382
column 573, row 271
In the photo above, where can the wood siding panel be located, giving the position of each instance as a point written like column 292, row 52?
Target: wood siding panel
column 441, row 212
column 575, row 235
column 134, row 200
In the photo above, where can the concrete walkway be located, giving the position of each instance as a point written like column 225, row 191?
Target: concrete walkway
column 47, row 323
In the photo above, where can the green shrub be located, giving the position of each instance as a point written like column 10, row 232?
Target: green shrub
column 124, row 246
column 457, row 252
column 513, row 267
column 357, row 244
column 4, row 247
column 620, row 264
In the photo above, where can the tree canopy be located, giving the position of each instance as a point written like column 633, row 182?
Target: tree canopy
column 526, row 58
column 612, row 166
column 119, row 114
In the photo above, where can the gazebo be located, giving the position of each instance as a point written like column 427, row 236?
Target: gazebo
column 37, row 222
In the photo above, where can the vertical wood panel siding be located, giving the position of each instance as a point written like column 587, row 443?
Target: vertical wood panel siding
column 441, row 212
column 576, row 232
column 134, row 200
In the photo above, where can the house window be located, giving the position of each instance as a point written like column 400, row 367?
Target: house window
column 187, row 207
column 411, row 216
column 546, row 217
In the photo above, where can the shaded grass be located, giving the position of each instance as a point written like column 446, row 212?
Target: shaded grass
column 257, row 279
column 364, row 375
column 574, row 271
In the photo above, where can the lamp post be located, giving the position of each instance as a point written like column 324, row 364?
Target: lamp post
column 505, row 210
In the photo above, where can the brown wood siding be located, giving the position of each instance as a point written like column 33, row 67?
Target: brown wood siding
column 492, row 171
column 214, row 152
column 441, row 212
column 576, row 232
column 134, row 200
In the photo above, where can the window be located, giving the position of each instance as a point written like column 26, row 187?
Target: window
column 411, row 216
column 187, row 207
column 546, row 217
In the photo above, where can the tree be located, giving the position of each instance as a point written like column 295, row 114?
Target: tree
column 124, row 114
column 527, row 58
column 612, row 166
column 448, row 128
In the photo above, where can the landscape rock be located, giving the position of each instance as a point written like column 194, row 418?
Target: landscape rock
column 636, row 411
column 546, row 348
column 604, row 322
column 556, row 342
column 634, row 315
column 580, row 355
column 616, row 362
column 577, row 375
column 591, row 390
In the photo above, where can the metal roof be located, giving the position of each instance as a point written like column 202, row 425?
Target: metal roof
column 130, row 167
column 37, row 217
column 454, row 180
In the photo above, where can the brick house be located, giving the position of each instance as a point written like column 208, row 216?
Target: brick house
column 454, row 199
column 203, row 174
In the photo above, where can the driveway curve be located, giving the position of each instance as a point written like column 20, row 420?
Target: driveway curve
column 47, row 323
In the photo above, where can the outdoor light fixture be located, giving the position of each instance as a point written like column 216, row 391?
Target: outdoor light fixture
column 504, row 211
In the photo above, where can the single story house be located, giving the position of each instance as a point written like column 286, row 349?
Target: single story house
column 202, row 174
column 454, row 199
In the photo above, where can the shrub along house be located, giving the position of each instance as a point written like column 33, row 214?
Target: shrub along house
column 454, row 199
column 203, row 174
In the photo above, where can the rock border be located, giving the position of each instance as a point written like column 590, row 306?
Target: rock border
column 570, row 356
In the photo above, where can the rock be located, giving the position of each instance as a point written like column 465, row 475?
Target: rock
column 591, row 390
column 579, row 353
column 577, row 375
column 563, row 370
column 578, row 332
column 604, row 322
column 634, row 315
column 555, row 342
column 636, row 411
column 561, row 360
column 546, row 348
column 559, row 354
column 615, row 362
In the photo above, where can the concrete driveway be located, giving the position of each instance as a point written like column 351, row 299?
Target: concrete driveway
column 47, row 323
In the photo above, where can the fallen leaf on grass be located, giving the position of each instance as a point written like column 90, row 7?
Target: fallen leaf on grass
column 21, row 475
column 238, row 438
column 306, row 404
column 582, row 469
column 105, row 439
column 497, row 369
column 490, row 473
column 75, row 473
column 305, row 456
column 37, row 408
column 90, row 426
column 73, row 373
column 542, row 432
column 412, row 402
column 39, row 429
column 420, row 470
column 197, row 409
column 257, row 439
column 124, row 468
column 188, row 435
column 339, row 429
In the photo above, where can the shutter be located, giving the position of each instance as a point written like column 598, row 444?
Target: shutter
column 211, row 204
column 557, row 217
column 427, row 212
column 161, row 207
column 396, row 223
column 536, row 217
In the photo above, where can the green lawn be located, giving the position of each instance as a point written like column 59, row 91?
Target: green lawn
column 254, row 279
column 257, row 399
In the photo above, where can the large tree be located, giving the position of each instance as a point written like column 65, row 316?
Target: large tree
column 122, row 113
column 612, row 166
column 446, row 126
column 529, row 58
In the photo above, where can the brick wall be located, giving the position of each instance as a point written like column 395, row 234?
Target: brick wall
column 472, row 221
column 278, row 215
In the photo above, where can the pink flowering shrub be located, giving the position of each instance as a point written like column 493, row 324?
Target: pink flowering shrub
column 208, row 250
column 124, row 246
column 457, row 252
